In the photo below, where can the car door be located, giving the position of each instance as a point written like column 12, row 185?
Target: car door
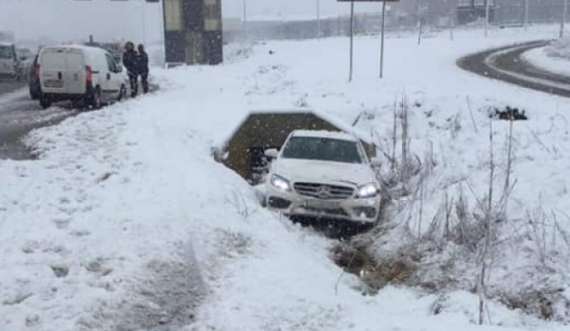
column 53, row 64
column 74, row 75
column 113, row 83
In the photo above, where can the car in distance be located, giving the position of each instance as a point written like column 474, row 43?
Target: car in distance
column 324, row 175
column 80, row 74
column 10, row 65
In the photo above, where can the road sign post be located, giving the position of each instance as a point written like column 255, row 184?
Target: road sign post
column 382, row 34
column 382, row 39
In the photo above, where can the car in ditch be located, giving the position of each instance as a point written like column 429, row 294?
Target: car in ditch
column 325, row 175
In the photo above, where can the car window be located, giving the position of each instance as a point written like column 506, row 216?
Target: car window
column 5, row 52
column 322, row 149
column 53, row 60
column 111, row 63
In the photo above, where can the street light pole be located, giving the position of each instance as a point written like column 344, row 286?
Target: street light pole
column 487, row 3
column 351, row 40
column 382, row 39
column 563, row 21
column 526, row 14
column 319, row 19
column 245, row 17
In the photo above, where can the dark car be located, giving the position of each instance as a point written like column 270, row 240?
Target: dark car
column 34, row 80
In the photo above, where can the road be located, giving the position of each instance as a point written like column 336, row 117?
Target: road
column 19, row 114
column 505, row 64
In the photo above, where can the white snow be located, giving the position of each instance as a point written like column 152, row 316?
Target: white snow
column 539, row 58
column 129, row 201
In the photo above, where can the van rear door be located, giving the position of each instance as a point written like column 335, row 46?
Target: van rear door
column 75, row 75
column 62, row 71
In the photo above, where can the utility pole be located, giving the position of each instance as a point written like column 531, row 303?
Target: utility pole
column 526, row 14
column 563, row 21
column 487, row 3
column 318, row 19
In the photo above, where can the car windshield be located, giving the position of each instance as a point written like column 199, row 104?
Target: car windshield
column 5, row 52
column 322, row 149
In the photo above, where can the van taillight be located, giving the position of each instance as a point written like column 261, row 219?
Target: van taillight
column 88, row 74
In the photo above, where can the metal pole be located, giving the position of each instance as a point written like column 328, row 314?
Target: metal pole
column 318, row 19
column 245, row 17
column 351, row 40
column 382, row 39
column 563, row 21
column 526, row 14
column 487, row 3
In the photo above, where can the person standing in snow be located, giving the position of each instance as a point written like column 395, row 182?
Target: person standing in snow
column 130, row 61
column 143, row 69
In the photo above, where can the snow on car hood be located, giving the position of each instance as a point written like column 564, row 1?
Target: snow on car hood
column 323, row 171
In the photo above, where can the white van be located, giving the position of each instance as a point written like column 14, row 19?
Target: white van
column 81, row 74
column 9, row 62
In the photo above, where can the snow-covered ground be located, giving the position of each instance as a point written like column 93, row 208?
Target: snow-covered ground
column 553, row 58
column 127, row 223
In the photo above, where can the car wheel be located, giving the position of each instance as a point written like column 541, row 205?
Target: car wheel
column 45, row 102
column 96, row 101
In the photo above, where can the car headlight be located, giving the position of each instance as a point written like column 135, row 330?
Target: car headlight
column 369, row 190
column 280, row 183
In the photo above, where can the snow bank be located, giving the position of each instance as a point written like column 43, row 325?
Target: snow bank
column 541, row 58
column 553, row 58
column 126, row 222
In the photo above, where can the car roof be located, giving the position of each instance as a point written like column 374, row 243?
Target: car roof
column 86, row 49
column 324, row 134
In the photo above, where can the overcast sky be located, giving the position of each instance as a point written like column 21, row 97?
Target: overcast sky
column 291, row 8
column 63, row 20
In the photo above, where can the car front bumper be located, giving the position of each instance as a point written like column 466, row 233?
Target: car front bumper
column 291, row 203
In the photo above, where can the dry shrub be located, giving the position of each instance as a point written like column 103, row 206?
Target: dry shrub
column 548, row 304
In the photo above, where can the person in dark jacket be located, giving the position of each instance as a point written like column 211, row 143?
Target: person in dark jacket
column 130, row 61
column 143, row 67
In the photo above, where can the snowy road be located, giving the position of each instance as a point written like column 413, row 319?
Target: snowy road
column 506, row 64
column 18, row 115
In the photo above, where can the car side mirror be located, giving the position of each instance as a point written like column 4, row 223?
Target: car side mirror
column 119, row 68
column 272, row 153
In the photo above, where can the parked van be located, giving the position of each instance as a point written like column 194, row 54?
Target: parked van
column 9, row 62
column 83, row 74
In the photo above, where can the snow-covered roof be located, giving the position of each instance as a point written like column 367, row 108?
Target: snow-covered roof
column 6, row 43
column 324, row 134
column 87, row 49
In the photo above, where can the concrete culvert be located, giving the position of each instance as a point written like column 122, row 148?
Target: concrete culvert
column 244, row 151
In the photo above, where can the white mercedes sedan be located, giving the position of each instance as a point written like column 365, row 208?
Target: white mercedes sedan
column 324, row 175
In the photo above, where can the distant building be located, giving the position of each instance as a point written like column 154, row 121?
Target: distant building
column 193, row 31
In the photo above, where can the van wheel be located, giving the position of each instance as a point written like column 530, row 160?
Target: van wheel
column 95, row 101
column 122, row 93
column 45, row 102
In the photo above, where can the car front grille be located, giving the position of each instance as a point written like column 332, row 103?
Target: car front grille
column 324, row 191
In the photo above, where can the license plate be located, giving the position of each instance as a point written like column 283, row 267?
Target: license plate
column 322, row 204
column 54, row 83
